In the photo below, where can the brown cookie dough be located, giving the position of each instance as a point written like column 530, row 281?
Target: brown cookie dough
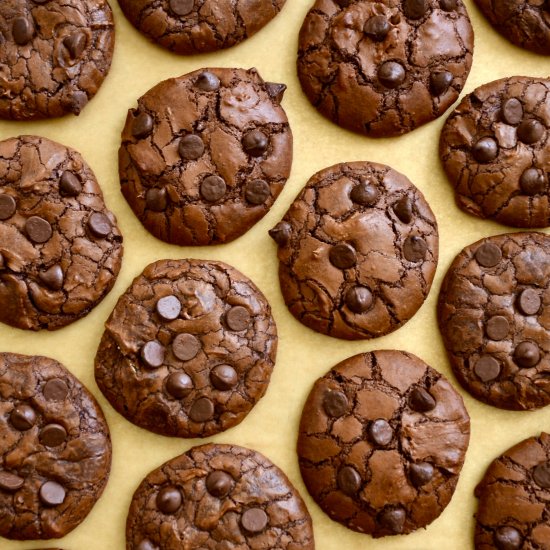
column 357, row 251
column 218, row 496
column 53, row 55
column 384, row 68
column 205, row 155
column 199, row 26
column 382, row 441
column 188, row 349
column 55, row 450
column 513, row 509
column 495, row 149
column 60, row 248
column 494, row 318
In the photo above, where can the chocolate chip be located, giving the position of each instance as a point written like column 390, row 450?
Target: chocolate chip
column 415, row 9
column 75, row 44
column 255, row 143
column 526, row 355
column 393, row 519
column 530, row 131
column 512, row 111
column 254, row 520
column 185, row 346
column 10, row 482
column 23, row 417
column 201, row 410
column 257, row 191
column 403, row 209
column 53, row 435
column 335, row 403
column 224, row 377
column 488, row 255
column 207, row 82
column 52, row 277
column 99, row 225
column 343, row 256
column 529, row 301
column 533, row 182
column 391, row 74
column 358, row 299
column 448, row 5
column 142, row 125
column 22, row 30
column 182, row 7
column 156, row 200
column 38, row 229
column 168, row 500
column 485, row 149
column 275, row 91
column 497, row 327
column 168, row 307
column 191, row 147
column 281, row 233
column 487, row 368
column 69, row 184
column 152, row 354
column 414, row 248
column 55, row 390
column 365, row 194
column 507, row 538
column 541, row 475
column 380, row 432
column 146, row 545
column 421, row 473
column 52, row 493
column 440, row 82
column 238, row 318
column 420, row 400
column 377, row 27
column 349, row 481
column 179, row 384
column 8, row 206
column 343, row 3
column 213, row 188
column 219, row 483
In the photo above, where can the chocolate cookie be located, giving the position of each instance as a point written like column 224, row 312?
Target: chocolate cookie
column 205, row 155
column 382, row 442
column 494, row 319
column 199, row 26
column 357, row 251
column 495, row 149
column 55, row 449
column 216, row 493
column 513, row 509
column 188, row 349
column 60, row 248
column 383, row 68
column 53, row 56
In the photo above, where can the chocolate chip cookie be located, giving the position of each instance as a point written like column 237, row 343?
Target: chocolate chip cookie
column 188, row 349
column 55, row 449
column 513, row 510
column 199, row 26
column 53, row 56
column 357, row 251
column 382, row 441
column 215, row 493
column 205, row 155
column 495, row 149
column 60, row 248
column 494, row 319
column 383, row 68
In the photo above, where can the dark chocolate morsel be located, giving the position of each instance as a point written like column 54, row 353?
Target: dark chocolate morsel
column 526, row 355
column 254, row 520
column 156, row 199
column 541, row 475
column 202, row 410
column 38, row 229
column 207, row 82
column 365, row 194
column 224, row 377
column 182, row 7
column 507, row 538
column 421, row 473
column 8, row 206
column 52, row 277
column 69, row 184
column 377, row 27
column 213, row 188
column 186, row 346
column 257, row 191
column 488, row 255
column 142, row 125
column 391, row 74
column 99, row 225
column 22, row 30
column 168, row 500
column 349, row 481
column 238, row 318
column 403, row 209
column 23, row 417
column 255, row 143
column 485, row 149
column 10, row 482
column 529, row 301
column 393, row 519
column 179, row 384
column 448, row 5
column 343, row 256
column 75, row 44
column 487, row 368
column 420, row 400
column 152, row 354
column 168, row 307
column 415, row 9
column 512, row 111
column 275, row 90
column 358, row 299
column 380, row 432
column 335, row 403
column 52, row 493
column 281, row 233
column 55, row 390
column 191, row 147
column 533, row 182
column 497, row 327
column 530, row 131
column 219, row 483
column 52, row 435
column 440, row 82
column 415, row 248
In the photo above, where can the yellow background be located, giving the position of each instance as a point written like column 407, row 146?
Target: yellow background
column 303, row 355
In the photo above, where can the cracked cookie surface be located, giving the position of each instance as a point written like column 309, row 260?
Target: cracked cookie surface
column 494, row 318
column 55, row 449
column 205, row 155
column 60, row 248
column 54, row 56
column 382, row 441
column 188, row 349
column 218, row 496
column 513, row 510
column 384, row 68
column 495, row 149
column 357, row 251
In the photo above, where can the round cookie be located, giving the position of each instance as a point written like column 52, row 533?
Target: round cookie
column 357, row 251
column 513, row 509
column 53, row 56
column 216, row 493
column 494, row 318
column 383, row 68
column 205, row 155
column 495, row 149
column 60, row 248
column 55, row 449
column 188, row 349
column 382, row 441
column 194, row 26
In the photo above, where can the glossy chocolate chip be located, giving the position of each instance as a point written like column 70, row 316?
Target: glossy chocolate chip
column 10, row 482
column 255, row 143
column 52, row 277
column 512, row 111
column 530, row 131
column 257, row 191
column 152, row 354
column 99, row 225
column 391, row 74
column 275, row 90
column 440, row 82
column 146, row 545
column 421, row 473
column 254, row 520
column 488, row 255
column 358, row 299
column 142, row 125
column 343, row 256
column 186, row 346
column 168, row 307
column 213, row 188
column 415, row 248
column 38, row 229
column 526, row 355
column 8, row 206
column 365, row 194
column 207, row 82
column 182, row 7
column 420, row 400
column 224, row 377
column 349, row 481
column 377, row 27
column 448, row 5
column 497, row 328
column 156, row 200
column 23, row 417
column 55, row 390
column 541, row 475
column 179, row 384
column 69, row 184
column 22, row 30
column 415, row 9
column 75, row 44
column 533, row 182
column 335, row 403
column 168, row 500
column 238, row 318
column 219, row 483
column 485, row 149
column 403, row 209
column 191, row 147
column 202, row 410
column 52, row 493
column 529, row 301
column 281, row 233
column 393, row 519
column 53, row 435
column 487, row 368
column 507, row 538
column 380, row 432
